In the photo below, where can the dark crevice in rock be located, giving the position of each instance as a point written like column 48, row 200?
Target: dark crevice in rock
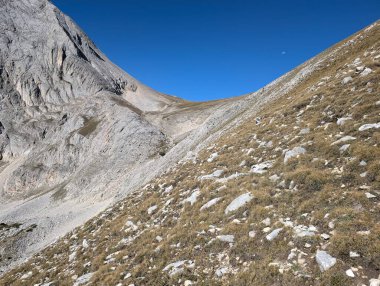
column 43, row 135
column 79, row 39
column 2, row 128
column 64, row 27
column 63, row 119
column 96, row 54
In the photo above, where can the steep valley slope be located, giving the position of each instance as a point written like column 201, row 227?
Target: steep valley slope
column 278, row 187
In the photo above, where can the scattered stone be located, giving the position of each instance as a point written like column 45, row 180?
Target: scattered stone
column 169, row 189
column 152, row 209
column 266, row 221
column 231, row 177
column 293, row 254
column 210, row 203
column 364, row 187
column 343, row 139
column 359, row 69
column 26, row 275
column 369, row 195
column 325, row 236
column 238, row 202
column 274, row 178
column 282, row 184
column 374, row 282
column 342, row 121
column 213, row 156
column 350, row 273
column 354, row 254
column 325, row 261
column 83, row 279
column 287, row 223
column 193, row 197
column 262, row 167
column 72, row 256
column 177, row 267
column 131, row 226
column 266, row 229
column 366, row 72
column 273, row 234
column 252, row 234
column 236, row 221
column 357, row 62
column 364, row 232
column 214, row 175
column 344, row 148
column 226, row 238
column 221, row 271
column 304, row 131
column 295, row 152
column 303, row 231
column 369, row 126
column 128, row 275
column 85, row 244
column 346, row 80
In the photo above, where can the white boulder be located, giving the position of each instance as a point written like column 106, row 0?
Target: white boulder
column 239, row 202
column 261, row 168
column 210, row 203
column 366, row 72
column 226, row 238
column 215, row 174
column 369, row 126
column 325, row 261
column 296, row 151
column 193, row 197
column 346, row 80
column 273, row 234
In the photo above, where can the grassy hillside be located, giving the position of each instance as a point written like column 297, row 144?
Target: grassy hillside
column 306, row 170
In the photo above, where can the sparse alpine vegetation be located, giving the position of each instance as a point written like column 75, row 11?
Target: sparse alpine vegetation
column 290, row 196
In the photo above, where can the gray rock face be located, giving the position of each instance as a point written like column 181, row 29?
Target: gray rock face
column 71, row 123
column 61, row 101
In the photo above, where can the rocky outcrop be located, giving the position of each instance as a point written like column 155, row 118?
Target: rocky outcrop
column 58, row 109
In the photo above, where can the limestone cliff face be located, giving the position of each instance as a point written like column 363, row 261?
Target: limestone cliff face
column 66, row 130
column 62, row 103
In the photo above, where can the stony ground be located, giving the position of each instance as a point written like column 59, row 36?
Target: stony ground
column 290, row 197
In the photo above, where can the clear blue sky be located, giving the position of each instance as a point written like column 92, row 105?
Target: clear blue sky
column 209, row 49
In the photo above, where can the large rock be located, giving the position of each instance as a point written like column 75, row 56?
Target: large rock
column 239, row 202
column 325, row 261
